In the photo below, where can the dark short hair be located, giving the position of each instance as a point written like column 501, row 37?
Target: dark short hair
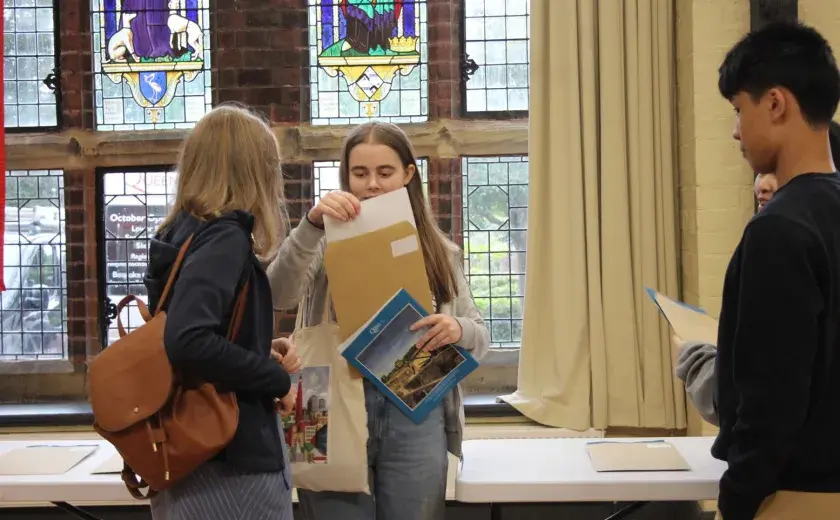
column 789, row 55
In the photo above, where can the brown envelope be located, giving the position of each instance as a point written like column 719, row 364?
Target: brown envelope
column 688, row 324
column 636, row 456
column 365, row 271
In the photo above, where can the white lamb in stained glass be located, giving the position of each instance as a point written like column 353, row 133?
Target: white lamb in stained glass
column 121, row 44
column 181, row 26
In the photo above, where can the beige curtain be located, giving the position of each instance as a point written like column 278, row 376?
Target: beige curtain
column 602, row 216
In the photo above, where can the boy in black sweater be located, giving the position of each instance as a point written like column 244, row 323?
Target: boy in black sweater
column 778, row 358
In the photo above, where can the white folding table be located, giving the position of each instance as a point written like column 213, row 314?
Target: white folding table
column 498, row 471
column 77, row 486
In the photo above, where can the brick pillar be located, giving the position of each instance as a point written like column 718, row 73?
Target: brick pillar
column 83, row 303
column 260, row 56
column 444, row 58
column 715, row 182
column 76, row 65
column 445, row 196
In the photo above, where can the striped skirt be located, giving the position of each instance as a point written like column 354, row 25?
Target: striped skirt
column 215, row 491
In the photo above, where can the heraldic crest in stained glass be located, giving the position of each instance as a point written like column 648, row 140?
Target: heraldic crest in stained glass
column 151, row 44
column 368, row 42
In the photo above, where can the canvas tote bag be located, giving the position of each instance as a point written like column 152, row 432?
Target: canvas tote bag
column 327, row 433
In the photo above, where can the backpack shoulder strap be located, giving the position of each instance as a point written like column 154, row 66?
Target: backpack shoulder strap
column 173, row 273
column 239, row 307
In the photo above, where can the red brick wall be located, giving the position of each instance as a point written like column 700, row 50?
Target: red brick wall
column 76, row 64
column 260, row 56
column 77, row 111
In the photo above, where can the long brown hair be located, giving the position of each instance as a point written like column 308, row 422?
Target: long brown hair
column 231, row 161
column 437, row 248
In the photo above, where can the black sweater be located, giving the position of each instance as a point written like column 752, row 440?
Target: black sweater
column 198, row 311
column 778, row 368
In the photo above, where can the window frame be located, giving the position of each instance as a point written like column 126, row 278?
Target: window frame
column 495, row 355
column 59, row 112
column 314, row 67
column 464, row 64
column 107, row 309
column 97, row 95
column 48, row 379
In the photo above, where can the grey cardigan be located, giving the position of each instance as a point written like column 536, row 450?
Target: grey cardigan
column 696, row 368
column 298, row 268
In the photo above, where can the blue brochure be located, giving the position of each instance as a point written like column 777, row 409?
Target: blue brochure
column 383, row 350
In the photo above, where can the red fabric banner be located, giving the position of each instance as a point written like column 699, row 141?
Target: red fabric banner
column 2, row 162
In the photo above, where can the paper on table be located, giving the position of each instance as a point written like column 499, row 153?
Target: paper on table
column 43, row 460
column 113, row 465
column 635, row 456
column 376, row 213
column 689, row 323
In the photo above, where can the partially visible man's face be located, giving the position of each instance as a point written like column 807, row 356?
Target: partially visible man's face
column 765, row 187
column 755, row 130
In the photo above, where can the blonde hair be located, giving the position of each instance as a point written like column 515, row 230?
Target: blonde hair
column 436, row 246
column 231, row 161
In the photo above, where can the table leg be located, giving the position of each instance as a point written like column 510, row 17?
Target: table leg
column 495, row 511
column 626, row 510
column 75, row 511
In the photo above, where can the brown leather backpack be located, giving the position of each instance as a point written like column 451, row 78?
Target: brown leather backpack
column 162, row 427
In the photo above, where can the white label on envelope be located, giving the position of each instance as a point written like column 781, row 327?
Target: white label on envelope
column 404, row 246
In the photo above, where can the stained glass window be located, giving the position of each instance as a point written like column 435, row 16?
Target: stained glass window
column 495, row 216
column 33, row 308
column 151, row 61
column 368, row 61
column 496, row 37
column 29, row 62
column 325, row 177
column 135, row 203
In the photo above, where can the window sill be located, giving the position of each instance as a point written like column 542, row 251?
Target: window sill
column 40, row 366
column 43, row 415
column 483, row 405
column 78, row 413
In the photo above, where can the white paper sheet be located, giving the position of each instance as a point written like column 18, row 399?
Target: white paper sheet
column 113, row 465
column 43, row 459
column 404, row 246
column 376, row 213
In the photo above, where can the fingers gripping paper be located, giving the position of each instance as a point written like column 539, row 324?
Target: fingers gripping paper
column 376, row 213
column 689, row 323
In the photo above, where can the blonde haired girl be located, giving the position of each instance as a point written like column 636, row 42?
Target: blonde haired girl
column 229, row 199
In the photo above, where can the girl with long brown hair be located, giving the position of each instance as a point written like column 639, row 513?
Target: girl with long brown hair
column 229, row 199
column 408, row 462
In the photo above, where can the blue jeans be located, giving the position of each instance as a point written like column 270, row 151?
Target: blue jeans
column 408, row 464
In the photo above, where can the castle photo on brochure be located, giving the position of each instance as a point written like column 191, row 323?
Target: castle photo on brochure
column 306, row 428
column 408, row 372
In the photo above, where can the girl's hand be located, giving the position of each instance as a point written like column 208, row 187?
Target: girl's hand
column 339, row 205
column 286, row 404
column 285, row 352
column 443, row 330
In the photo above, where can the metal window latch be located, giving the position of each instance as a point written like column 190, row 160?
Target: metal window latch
column 468, row 67
column 53, row 79
column 110, row 310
